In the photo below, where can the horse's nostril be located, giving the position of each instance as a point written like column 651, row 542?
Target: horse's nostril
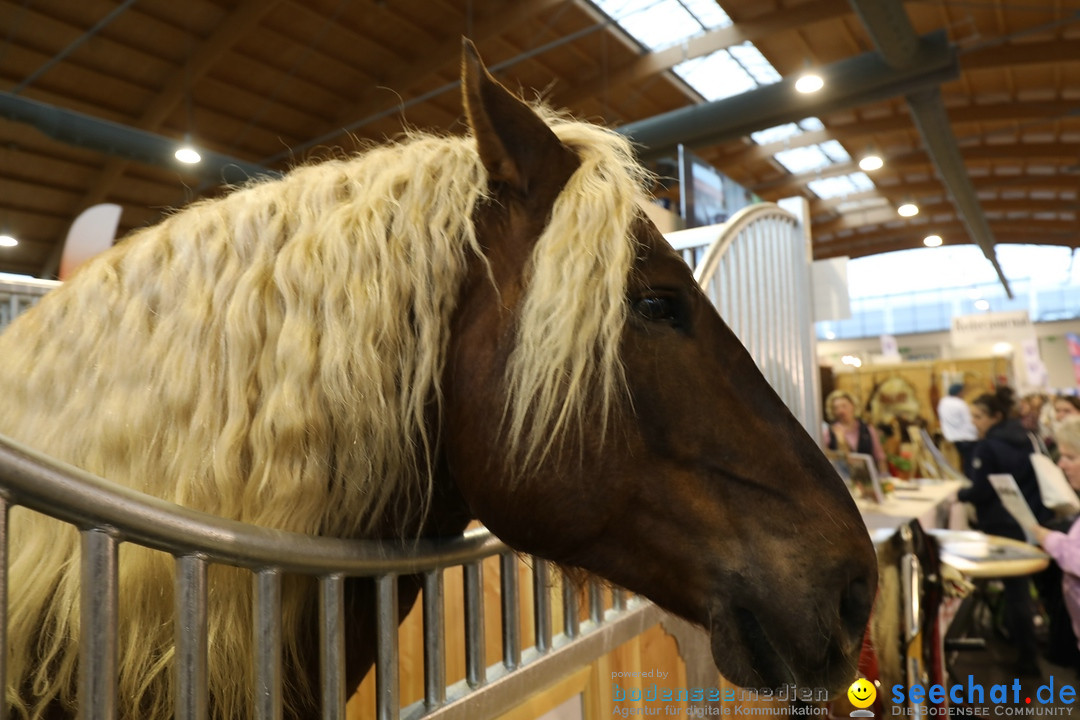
column 855, row 601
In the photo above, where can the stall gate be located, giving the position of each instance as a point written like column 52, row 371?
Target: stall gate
column 108, row 515
column 756, row 270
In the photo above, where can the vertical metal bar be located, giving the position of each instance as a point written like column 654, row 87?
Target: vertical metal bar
column 542, row 604
column 387, row 706
column 596, row 601
column 332, row 646
column 192, row 699
column 618, row 599
column 98, row 619
column 4, row 507
column 571, row 623
column 434, row 640
column 511, row 610
column 267, row 630
column 475, row 661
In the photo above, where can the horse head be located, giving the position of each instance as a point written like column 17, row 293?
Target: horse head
column 638, row 440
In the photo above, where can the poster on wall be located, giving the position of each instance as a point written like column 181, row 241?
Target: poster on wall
column 1073, row 341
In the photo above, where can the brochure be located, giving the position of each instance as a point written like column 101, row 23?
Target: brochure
column 1014, row 502
column 859, row 473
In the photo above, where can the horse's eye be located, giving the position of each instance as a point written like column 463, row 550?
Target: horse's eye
column 656, row 308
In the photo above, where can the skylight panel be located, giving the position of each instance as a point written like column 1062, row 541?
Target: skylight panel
column 803, row 159
column 775, row 134
column 783, row 132
column 861, row 181
column 827, row 188
column 755, row 63
column 716, row 76
column 831, row 187
column 661, row 25
column 656, row 24
column 708, row 12
column 835, row 151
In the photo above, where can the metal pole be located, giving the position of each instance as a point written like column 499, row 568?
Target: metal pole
column 192, row 697
column 475, row 652
column 434, row 640
column 511, row 610
column 571, row 623
column 267, row 629
column 332, row 645
column 596, row 601
column 386, row 650
column 542, row 604
column 99, row 619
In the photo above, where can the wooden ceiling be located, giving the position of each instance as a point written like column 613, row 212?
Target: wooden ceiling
column 274, row 82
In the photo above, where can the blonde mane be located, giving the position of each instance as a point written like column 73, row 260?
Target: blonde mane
column 272, row 357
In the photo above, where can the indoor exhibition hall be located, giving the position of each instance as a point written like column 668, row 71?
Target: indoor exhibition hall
column 539, row 359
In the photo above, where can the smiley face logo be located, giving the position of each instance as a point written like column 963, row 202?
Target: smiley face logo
column 862, row 693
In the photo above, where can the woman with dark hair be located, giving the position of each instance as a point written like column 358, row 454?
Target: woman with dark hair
column 1004, row 447
column 1066, row 406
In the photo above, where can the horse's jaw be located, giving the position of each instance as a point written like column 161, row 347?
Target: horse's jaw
column 747, row 654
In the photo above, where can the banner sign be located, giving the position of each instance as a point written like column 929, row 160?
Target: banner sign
column 989, row 328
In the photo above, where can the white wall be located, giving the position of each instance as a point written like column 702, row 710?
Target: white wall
column 931, row 346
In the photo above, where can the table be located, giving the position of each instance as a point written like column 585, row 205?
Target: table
column 929, row 503
column 979, row 555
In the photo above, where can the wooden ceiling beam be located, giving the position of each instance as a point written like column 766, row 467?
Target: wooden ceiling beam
column 1022, row 231
column 448, row 54
column 1053, row 52
column 1063, row 153
column 850, row 132
column 174, row 88
column 881, row 215
column 1006, row 237
column 885, row 214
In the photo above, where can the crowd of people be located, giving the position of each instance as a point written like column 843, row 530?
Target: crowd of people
column 995, row 433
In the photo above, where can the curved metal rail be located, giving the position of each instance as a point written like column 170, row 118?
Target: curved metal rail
column 108, row 515
column 756, row 270
column 39, row 482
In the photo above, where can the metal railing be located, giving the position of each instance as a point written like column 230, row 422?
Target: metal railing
column 108, row 515
column 19, row 294
column 756, row 270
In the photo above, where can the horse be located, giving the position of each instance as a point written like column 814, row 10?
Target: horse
column 439, row 328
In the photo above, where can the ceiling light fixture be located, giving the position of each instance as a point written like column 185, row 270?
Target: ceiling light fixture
column 871, row 162
column 187, row 154
column 8, row 241
column 908, row 209
column 932, row 241
column 809, row 82
column 982, row 304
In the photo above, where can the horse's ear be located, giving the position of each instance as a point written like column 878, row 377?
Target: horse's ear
column 515, row 145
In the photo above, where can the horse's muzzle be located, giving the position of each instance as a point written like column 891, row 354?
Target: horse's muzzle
column 815, row 647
